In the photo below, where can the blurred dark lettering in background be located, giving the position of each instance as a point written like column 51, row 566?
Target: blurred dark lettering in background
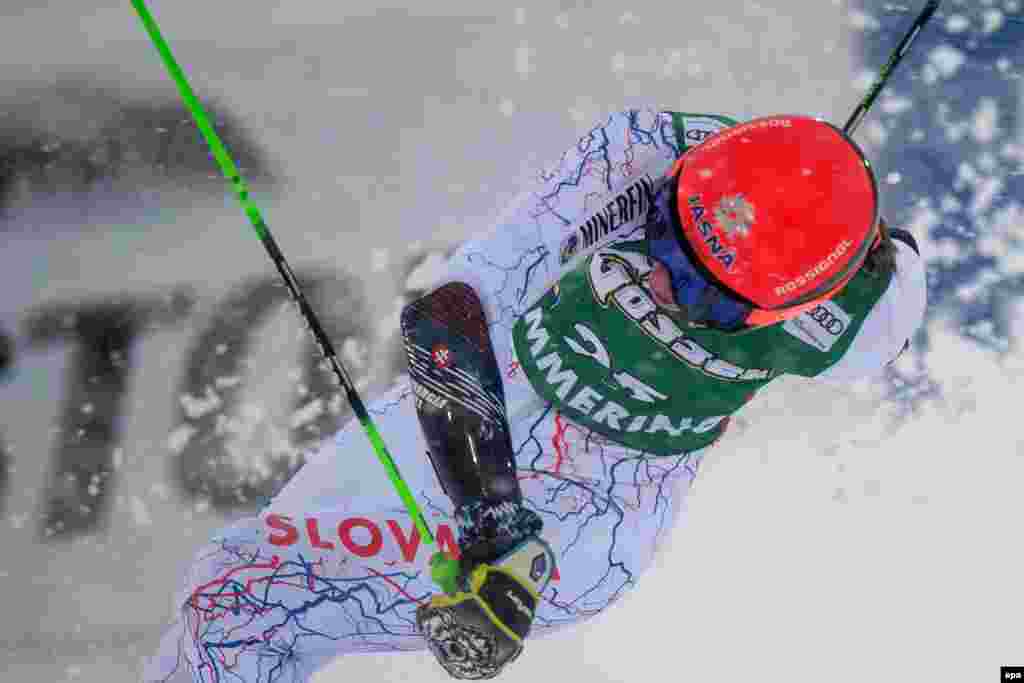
column 221, row 453
column 960, row 158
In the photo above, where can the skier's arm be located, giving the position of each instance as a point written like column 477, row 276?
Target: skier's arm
column 892, row 323
column 478, row 624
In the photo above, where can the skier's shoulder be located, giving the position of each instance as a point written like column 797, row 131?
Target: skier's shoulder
column 628, row 148
column 693, row 128
column 892, row 321
column 653, row 126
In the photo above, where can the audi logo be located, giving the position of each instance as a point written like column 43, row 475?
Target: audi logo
column 827, row 321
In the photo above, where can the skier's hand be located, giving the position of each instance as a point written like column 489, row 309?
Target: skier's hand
column 480, row 627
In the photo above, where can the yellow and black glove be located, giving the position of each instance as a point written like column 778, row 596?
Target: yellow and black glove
column 479, row 627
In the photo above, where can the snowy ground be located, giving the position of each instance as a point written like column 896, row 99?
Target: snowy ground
column 865, row 533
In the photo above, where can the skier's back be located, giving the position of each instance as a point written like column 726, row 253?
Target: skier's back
column 566, row 376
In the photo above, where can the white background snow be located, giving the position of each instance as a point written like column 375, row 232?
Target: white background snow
column 830, row 537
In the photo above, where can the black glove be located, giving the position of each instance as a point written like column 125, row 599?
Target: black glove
column 478, row 629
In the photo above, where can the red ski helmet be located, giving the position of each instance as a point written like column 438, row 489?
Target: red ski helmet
column 780, row 211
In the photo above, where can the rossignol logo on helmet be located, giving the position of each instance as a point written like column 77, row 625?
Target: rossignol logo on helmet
column 823, row 266
column 727, row 257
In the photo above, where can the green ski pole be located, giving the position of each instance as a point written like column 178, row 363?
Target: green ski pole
column 442, row 570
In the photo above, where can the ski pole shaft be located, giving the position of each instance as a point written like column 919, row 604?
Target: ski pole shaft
column 230, row 170
column 883, row 76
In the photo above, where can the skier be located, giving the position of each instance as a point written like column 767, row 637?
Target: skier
column 567, row 374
